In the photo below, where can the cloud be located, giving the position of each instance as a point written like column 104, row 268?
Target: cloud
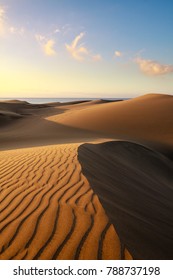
column 66, row 29
column 2, row 13
column 57, row 30
column 46, row 45
column 48, row 48
column 5, row 28
column 118, row 54
column 97, row 57
column 2, row 20
column 39, row 38
column 79, row 51
column 153, row 68
column 17, row 31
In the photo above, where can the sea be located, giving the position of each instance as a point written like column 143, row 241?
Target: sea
column 62, row 100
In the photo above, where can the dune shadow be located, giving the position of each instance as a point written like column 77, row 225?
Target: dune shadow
column 35, row 130
column 135, row 186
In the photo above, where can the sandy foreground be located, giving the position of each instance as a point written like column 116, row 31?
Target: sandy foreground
column 87, row 180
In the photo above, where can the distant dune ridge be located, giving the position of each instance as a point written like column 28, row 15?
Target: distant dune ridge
column 70, row 193
column 147, row 118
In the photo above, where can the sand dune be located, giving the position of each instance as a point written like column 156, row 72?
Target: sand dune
column 49, row 208
column 147, row 119
column 135, row 187
column 6, row 116
column 35, row 126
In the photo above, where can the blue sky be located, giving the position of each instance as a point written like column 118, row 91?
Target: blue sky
column 72, row 48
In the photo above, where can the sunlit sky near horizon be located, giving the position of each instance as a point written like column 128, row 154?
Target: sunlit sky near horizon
column 78, row 48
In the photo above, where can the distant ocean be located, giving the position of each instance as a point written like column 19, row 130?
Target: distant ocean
column 62, row 100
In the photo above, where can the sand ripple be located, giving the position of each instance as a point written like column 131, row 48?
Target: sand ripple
column 48, row 209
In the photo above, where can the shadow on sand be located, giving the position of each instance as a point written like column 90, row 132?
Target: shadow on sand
column 135, row 186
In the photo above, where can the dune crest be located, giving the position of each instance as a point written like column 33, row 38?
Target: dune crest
column 146, row 119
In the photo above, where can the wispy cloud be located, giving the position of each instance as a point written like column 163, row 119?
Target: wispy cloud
column 76, row 50
column 40, row 38
column 2, row 20
column 66, row 29
column 79, row 52
column 47, row 45
column 118, row 54
column 96, row 57
column 153, row 68
column 6, row 28
column 57, row 30
column 16, row 31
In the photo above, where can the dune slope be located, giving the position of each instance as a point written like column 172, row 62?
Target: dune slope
column 48, row 209
column 147, row 119
column 135, row 187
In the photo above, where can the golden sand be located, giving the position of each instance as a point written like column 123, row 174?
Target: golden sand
column 48, row 209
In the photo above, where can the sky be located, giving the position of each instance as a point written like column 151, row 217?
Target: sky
column 79, row 48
